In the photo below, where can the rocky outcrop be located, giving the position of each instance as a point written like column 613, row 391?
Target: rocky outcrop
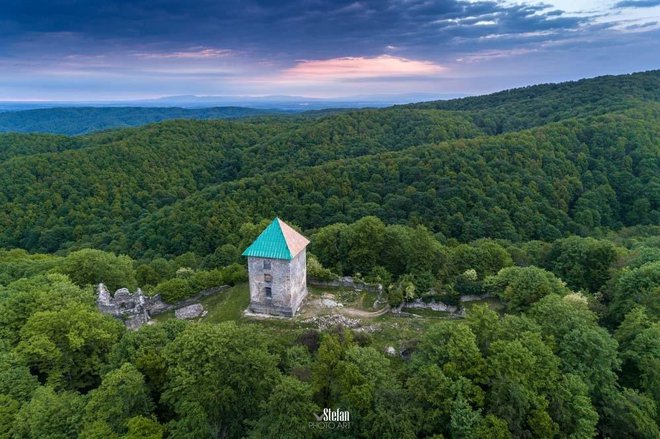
column 190, row 312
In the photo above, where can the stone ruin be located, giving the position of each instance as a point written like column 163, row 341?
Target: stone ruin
column 136, row 309
column 133, row 308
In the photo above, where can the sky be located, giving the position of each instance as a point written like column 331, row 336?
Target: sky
column 136, row 49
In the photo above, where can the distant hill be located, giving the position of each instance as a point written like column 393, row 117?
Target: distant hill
column 525, row 107
column 82, row 120
column 535, row 163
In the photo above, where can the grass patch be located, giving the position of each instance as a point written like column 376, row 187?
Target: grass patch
column 363, row 300
column 227, row 305
column 493, row 303
column 221, row 307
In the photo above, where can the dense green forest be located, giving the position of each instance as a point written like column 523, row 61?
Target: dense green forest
column 546, row 199
column 81, row 120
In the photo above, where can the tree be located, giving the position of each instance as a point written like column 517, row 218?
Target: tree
column 49, row 414
column 484, row 256
column 325, row 371
column 217, row 377
column 141, row 427
column 364, row 240
column 68, row 346
column 464, row 420
column 90, row 267
column 583, row 263
column 145, row 350
column 571, row 407
column 25, row 297
column 392, row 416
column 453, row 347
column 520, row 287
column 174, row 290
column 485, row 324
column 629, row 414
column 8, row 409
column 639, row 286
column 121, row 395
column 287, row 412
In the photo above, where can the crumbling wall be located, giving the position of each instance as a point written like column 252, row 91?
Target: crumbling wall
column 346, row 282
column 136, row 309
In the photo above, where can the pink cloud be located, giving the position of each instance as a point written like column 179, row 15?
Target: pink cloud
column 361, row 67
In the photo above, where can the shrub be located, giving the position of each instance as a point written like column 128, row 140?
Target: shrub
column 395, row 297
column 176, row 289
column 233, row 274
column 203, row 280
column 318, row 271
column 90, row 267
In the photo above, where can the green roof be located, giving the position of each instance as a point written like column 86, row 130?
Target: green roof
column 277, row 241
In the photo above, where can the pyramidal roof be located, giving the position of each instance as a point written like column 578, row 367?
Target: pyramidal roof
column 277, row 241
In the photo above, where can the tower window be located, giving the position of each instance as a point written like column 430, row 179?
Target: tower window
column 269, row 292
column 268, row 277
column 266, row 264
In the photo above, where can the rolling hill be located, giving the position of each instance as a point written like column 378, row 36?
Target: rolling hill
column 82, row 120
column 175, row 186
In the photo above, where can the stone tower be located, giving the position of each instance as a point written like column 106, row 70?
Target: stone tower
column 277, row 268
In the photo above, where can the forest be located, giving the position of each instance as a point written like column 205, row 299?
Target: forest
column 545, row 198
column 82, row 120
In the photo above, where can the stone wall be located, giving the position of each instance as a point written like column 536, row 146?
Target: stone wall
column 298, row 276
column 288, row 285
column 136, row 309
column 346, row 282
column 435, row 306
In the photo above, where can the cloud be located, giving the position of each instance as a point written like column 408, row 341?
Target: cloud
column 489, row 55
column 637, row 4
column 197, row 53
column 361, row 67
column 347, row 46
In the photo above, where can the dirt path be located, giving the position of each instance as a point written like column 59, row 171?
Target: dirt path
column 317, row 307
column 359, row 313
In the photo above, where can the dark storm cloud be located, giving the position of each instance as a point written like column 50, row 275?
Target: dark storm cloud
column 95, row 49
column 307, row 28
column 637, row 4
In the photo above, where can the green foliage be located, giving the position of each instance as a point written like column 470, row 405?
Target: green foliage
column 90, row 267
column 173, row 290
column 68, row 347
column 287, row 412
column 520, row 287
column 144, row 349
column 486, row 257
column 581, row 175
column 637, row 286
column 25, row 297
column 16, row 264
column 317, row 271
column 630, row 414
column 8, row 410
column 81, row 120
column 583, row 263
column 141, row 427
column 217, row 376
column 586, row 349
column 369, row 247
column 420, row 199
column 639, row 347
column 121, row 395
column 49, row 415
column 537, row 105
